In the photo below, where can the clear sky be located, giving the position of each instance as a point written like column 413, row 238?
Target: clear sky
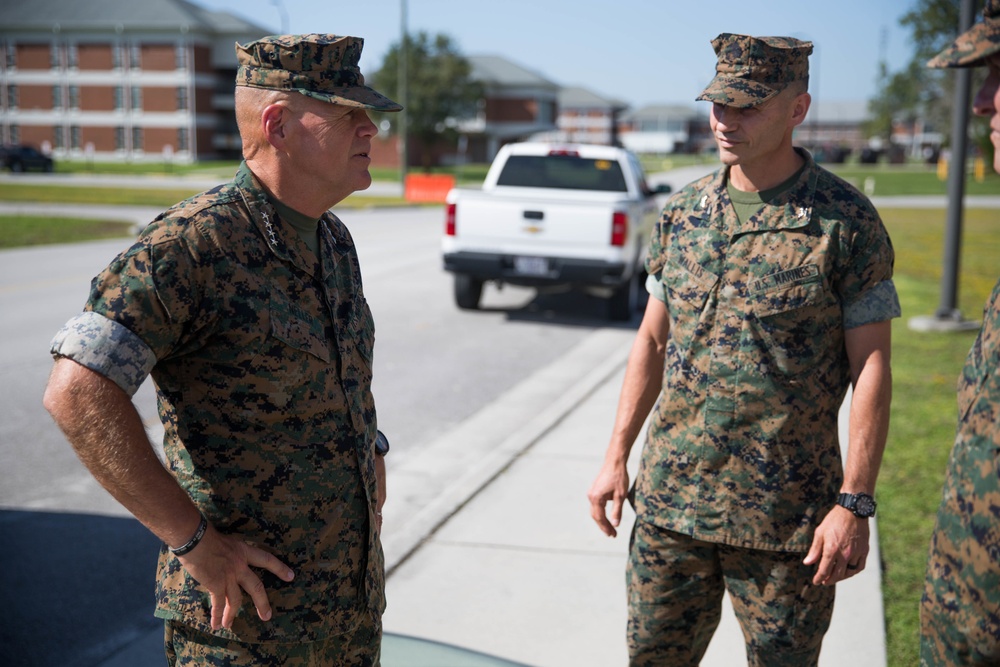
column 637, row 51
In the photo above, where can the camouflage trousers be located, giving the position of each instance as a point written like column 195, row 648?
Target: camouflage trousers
column 960, row 609
column 186, row 646
column 675, row 590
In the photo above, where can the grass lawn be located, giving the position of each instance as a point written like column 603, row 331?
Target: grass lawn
column 923, row 418
column 154, row 197
column 17, row 231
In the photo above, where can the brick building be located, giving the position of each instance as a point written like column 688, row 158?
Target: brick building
column 120, row 79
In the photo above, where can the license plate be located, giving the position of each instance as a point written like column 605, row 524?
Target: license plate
column 531, row 266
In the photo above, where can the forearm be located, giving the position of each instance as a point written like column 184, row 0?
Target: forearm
column 107, row 433
column 869, row 420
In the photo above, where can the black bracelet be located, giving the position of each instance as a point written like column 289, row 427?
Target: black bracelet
column 193, row 542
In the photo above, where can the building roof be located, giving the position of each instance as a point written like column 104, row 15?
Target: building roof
column 499, row 71
column 575, row 97
column 129, row 15
column 661, row 111
column 837, row 112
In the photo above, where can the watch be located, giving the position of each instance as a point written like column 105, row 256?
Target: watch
column 861, row 504
column 381, row 443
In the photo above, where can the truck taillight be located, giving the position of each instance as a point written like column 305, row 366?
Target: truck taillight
column 619, row 228
column 449, row 220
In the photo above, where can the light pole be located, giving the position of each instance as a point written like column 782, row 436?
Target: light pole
column 948, row 317
column 403, row 76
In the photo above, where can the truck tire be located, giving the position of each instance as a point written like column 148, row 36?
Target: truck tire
column 468, row 291
column 624, row 301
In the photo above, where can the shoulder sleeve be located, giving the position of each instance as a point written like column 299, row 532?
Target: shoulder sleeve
column 142, row 307
column 865, row 287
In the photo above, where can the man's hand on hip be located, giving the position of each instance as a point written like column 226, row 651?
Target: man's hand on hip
column 221, row 563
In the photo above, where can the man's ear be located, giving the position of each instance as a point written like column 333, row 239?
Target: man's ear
column 800, row 107
column 274, row 120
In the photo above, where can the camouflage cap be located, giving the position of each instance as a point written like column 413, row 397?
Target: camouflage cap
column 324, row 67
column 974, row 45
column 752, row 70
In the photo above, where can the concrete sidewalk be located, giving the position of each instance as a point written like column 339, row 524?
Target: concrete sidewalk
column 490, row 545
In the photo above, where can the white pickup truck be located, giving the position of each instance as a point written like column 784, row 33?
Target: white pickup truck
column 554, row 214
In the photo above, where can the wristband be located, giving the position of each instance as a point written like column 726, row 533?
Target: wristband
column 195, row 539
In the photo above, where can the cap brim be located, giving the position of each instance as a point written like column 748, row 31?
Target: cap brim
column 971, row 47
column 354, row 96
column 733, row 91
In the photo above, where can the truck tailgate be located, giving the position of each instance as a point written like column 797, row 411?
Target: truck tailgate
column 512, row 221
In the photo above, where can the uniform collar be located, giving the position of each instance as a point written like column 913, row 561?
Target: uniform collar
column 791, row 210
column 281, row 238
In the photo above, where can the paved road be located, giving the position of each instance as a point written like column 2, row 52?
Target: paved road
column 76, row 567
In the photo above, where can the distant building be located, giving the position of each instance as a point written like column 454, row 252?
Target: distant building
column 586, row 117
column 120, row 79
column 662, row 129
column 833, row 125
column 517, row 103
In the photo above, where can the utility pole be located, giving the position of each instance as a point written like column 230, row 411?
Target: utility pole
column 403, row 77
column 948, row 317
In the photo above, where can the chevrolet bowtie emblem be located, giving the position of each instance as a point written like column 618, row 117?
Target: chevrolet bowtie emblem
column 532, row 229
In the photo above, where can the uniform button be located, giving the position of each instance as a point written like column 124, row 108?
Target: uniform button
column 730, row 291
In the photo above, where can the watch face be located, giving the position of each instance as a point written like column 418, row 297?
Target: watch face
column 864, row 506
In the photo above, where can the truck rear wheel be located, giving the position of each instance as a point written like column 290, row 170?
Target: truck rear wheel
column 468, row 291
column 627, row 298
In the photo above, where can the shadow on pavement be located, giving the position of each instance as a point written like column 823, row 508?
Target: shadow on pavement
column 567, row 308
column 75, row 588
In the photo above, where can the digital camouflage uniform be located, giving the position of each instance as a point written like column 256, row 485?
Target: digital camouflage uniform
column 960, row 608
column 261, row 353
column 742, row 448
column 262, row 359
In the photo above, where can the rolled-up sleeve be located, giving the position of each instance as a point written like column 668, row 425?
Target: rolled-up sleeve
column 878, row 304
column 106, row 347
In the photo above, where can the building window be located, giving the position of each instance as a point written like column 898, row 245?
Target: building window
column 57, row 98
column 74, row 97
column 119, row 98
column 54, row 56
column 136, row 98
column 72, row 56
column 12, row 96
column 15, row 134
column 136, row 138
column 119, row 138
column 74, row 137
column 116, row 56
column 182, row 139
column 58, row 140
column 134, row 56
column 11, row 50
column 182, row 98
column 181, row 56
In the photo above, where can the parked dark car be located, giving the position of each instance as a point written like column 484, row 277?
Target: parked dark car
column 19, row 158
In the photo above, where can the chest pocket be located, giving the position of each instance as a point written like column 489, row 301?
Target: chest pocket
column 794, row 325
column 687, row 295
column 295, row 327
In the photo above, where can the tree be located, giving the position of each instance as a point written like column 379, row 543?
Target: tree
column 440, row 90
column 919, row 91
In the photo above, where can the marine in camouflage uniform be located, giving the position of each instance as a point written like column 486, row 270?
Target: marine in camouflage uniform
column 960, row 609
column 742, row 461
column 259, row 341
